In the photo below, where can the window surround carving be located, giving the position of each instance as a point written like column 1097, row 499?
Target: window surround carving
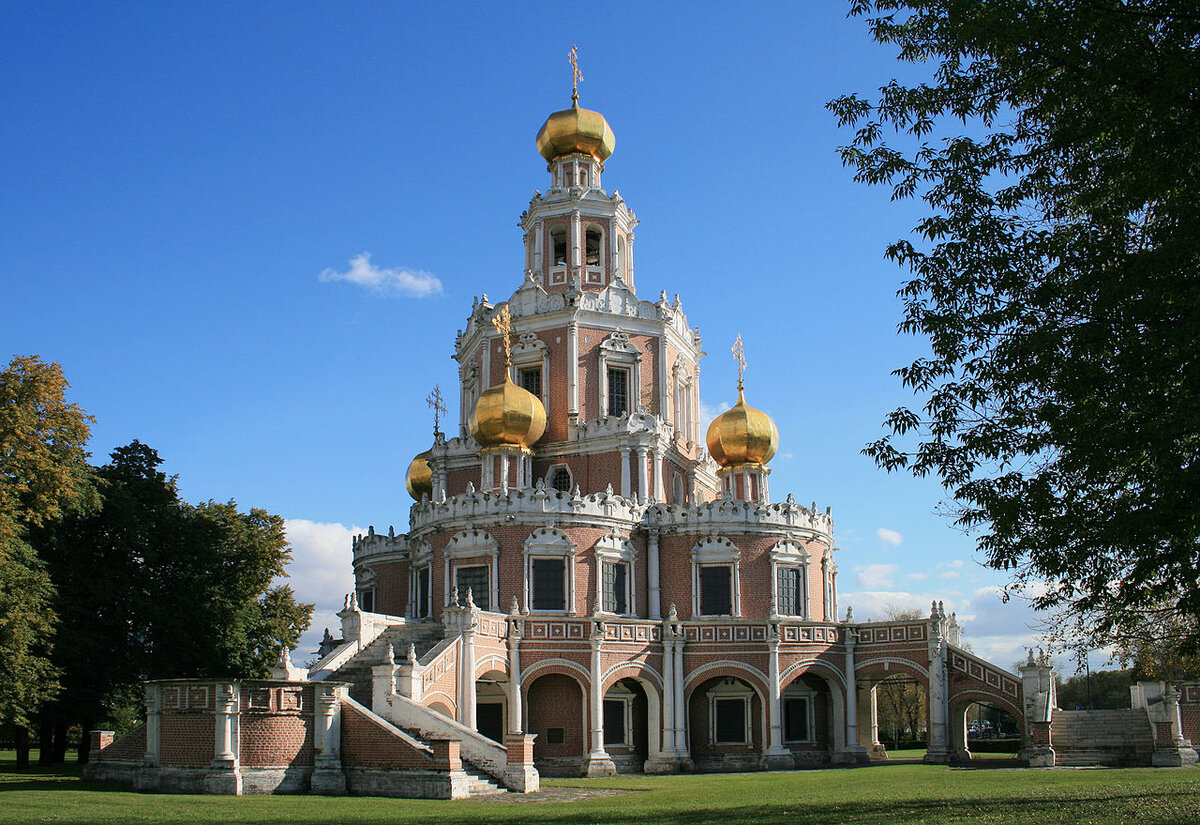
column 531, row 352
column 473, row 545
column 717, row 551
column 549, row 542
column 617, row 352
column 787, row 554
column 614, row 549
column 730, row 688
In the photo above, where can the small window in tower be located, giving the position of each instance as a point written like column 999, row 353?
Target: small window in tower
column 560, row 479
column 788, row 581
column 531, row 380
column 558, row 237
column 618, row 391
column 583, row 176
column 423, row 583
column 593, row 247
column 366, row 601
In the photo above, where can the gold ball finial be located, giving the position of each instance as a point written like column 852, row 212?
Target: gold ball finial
column 742, row 435
column 575, row 130
column 507, row 415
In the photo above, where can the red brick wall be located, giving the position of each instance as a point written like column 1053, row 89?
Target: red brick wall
column 556, row 701
column 367, row 744
column 276, row 741
column 187, row 739
column 698, row 725
column 391, row 588
column 131, row 746
column 1189, row 712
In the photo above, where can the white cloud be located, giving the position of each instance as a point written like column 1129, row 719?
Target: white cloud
column 950, row 569
column 876, row 576
column 320, row 573
column 917, row 576
column 889, row 536
column 708, row 413
column 385, row 280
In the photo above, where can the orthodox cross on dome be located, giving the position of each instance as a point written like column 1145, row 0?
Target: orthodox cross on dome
column 739, row 352
column 436, row 401
column 502, row 321
column 576, row 75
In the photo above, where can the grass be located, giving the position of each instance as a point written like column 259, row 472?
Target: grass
column 878, row 794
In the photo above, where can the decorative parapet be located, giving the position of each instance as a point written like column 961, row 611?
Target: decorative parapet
column 976, row 668
column 376, row 547
column 630, row 423
column 532, row 504
column 643, row 631
column 736, row 515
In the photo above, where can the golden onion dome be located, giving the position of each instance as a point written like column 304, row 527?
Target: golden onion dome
column 576, row 130
column 419, row 479
column 742, row 435
column 507, row 415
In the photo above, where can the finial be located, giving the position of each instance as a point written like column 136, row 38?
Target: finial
column 453, row 597
column 470, row 600
column 672, row 613
column 576, row 75
column 514, row 608
column 436, row 401
column 502, row 321
column 739, row 352
column 390, row 658
column 849, row 614
column 412, row 653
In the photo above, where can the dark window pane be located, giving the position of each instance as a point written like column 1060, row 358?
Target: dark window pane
column 618, row 391
column 731, row 720
column 614, row 722
column 789, row 591
column 561, row 480
column 555, row 736
column 715, row 598
column 548, row 592
column 476, row 578
column 366, row 601
column 615, row 586
column 489, row 720
column 593, row 247
column 795, row 720
column 531, row 380
column 423, row 592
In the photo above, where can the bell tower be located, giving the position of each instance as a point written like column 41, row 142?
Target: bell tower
column 576, row 234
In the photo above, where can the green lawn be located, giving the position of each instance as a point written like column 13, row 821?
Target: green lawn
column 877, row 794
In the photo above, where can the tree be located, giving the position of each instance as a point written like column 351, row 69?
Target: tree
column 43, row 475
column 1057, row 279
column 901, row 701
column 149, row 586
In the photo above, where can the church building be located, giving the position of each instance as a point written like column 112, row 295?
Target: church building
column 590, row 582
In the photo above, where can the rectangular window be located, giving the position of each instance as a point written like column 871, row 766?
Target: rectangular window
column 423, row 592
column 795, row 720
column 616, row 578
column 475, row 577
column 531, row 380
column 366, row 601
column 731, row 720
column 618, row 391
column 555, row 736
column 614, row 722
column 548, row 581
column 715, row 596
column 789, row 582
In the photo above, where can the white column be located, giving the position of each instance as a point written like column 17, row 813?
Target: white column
column 681, row 715
column 643, row 492
column 485, row 380
column 538, row 245
column 515, row 715
column 226, row 704
column 625, row 489
column 660, row 466
column 599, row 763
column 573, row 370
column 663, row 404
column 576, row 241
column 327, row 777
column 654, row 600
column 668, row 696
column 775, row 738
column 629, row 260
column 851, row 694
column 504, row 469
column 939, row 744
column 466, row 674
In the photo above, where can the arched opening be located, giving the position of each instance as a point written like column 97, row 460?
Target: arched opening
column 557, row 714
column 558, row 242
column 725, row 724
column 982, row 729
column 593, row 240
column 626, row 725
column 902, row 714
column 442, row 708
column 491, row 704
column 806, row 720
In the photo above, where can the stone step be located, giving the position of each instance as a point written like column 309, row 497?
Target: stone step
column 481, row 782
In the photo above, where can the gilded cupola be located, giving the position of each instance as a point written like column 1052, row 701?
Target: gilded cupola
column 576, row 130
column 419, row 479
column 742, row 440
column 507, row 415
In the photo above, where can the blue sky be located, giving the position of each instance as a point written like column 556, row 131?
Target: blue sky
column 177, row 178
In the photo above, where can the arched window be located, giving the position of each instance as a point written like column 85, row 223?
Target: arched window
column 594, row 237
column 558, row 237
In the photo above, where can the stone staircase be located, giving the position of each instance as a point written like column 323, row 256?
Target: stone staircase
column 357, row 671
column 481, row 783
column 1101, row 737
